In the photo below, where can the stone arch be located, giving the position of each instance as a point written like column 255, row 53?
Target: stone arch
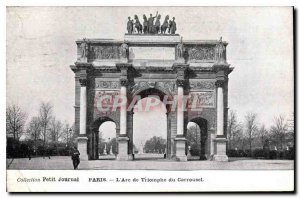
column 142, row 86
column 204, row 133
column 94, row 134
column 145, row 91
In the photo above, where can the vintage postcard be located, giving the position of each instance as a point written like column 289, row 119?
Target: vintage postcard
column 150, row 99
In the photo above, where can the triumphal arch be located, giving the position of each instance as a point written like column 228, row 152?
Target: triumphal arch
column 152, row 61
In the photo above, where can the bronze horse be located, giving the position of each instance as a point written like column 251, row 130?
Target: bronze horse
column 165, row 25
column 138, row 25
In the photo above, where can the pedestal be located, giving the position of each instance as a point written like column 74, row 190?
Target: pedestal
column 82, row 148
column 123, row 149
column 220, row 150
column 180, row 60
column 180, row 149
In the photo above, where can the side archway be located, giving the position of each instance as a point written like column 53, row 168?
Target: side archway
column 93, row 139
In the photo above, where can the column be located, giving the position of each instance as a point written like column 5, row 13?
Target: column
column 180, row 140
column 82, row 138
column 220, row 140
column 123, row 138
column 220, row 110
column 123, row 112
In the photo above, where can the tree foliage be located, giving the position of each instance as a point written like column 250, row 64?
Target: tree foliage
column 155, row 145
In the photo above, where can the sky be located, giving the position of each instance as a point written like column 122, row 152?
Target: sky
column 41, row 47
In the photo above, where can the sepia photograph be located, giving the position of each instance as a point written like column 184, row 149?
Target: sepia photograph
column 168, row 91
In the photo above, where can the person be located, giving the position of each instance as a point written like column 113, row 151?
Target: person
column 150, row 23
column 172, row 26
column 130, row 26
column 75, row 158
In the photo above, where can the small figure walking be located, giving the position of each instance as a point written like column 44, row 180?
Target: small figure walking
column 75, row 158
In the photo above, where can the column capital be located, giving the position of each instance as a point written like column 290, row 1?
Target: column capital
column 220, row 83
column 123, row 81
column 180, row 82
column 83, row 81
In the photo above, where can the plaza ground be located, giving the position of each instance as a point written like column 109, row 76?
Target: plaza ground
column 148, row 163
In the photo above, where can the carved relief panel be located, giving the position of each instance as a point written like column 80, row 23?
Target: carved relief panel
column 201, row 99
column 201, row 53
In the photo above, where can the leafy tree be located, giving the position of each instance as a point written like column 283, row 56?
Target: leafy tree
column 193, row 138
column 15, row 121
column 155, row 145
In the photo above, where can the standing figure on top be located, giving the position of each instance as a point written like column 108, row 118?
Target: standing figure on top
column 150, row 23
column 130, row 26
column 157, row 24
column 172, row 26
column 221, row 51
column 145, row 24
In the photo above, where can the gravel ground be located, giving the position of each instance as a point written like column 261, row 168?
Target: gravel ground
column 144, row 163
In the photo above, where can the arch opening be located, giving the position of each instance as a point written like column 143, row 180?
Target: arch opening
column 150, row 131
column 197, row 139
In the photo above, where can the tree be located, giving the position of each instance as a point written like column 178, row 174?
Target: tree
column 67, row 133
column 279, row 130
column 193, row 136
column 55, row 128
column 34, row 130
column 263, row 135
column 45, row 118
column 251, row 127
column 155, row 144
column 15, row 121
column 234, row 129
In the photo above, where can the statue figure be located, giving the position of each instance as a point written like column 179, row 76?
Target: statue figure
column 130, row 26
column 150, row 23
column 84, row 49
column 172, row 26
column 145, row 24
column 124, row 51
column 179, row 50
column 164, row 26
column 138, row 25
column 157, row 24
column 221, row 51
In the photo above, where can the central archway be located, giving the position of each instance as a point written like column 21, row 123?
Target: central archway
column 151, row 135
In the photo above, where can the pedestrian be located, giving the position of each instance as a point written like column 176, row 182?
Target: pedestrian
column 75, row 158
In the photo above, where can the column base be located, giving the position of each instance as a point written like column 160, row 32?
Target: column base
column 220, row 158
column 82, row 147
column 220, row 150
column 180, row 149
column 123, row 149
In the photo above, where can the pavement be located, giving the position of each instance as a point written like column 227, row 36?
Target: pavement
column 144, row 163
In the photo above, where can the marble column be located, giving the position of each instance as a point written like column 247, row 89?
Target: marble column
column 220, row 140
column 82, row 138
column 123, row 139
column 180, row 139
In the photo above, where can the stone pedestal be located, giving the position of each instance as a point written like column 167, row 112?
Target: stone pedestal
column 123, row 149
column 180, row 149
column 82, row 147
column 180, row 60
column 220, row 150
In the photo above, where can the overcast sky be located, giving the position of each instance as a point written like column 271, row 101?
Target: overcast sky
column 41, row 46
